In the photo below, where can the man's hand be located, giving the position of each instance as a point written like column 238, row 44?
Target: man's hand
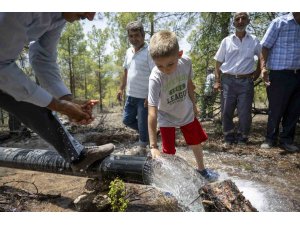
column 265, row 76
column 217, row 86
column 88, row 106
column 146, row 103
column 155, row 153
column 80, row 114
column 120, row 95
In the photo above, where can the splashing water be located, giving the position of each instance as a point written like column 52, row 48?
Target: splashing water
column 174, row 175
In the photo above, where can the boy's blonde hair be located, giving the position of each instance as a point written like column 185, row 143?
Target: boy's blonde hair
column 163, row 44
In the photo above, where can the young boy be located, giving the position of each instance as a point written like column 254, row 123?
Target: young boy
column 171, row 100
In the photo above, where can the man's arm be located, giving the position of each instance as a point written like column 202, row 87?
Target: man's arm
column 122, row 86
column 258, row 70
column 217, row 85
column 152, row 126
column 13, row 81
column 263, row 61
column 43, row 58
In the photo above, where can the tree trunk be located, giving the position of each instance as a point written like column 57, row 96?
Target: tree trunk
column 224, row 197
column 225, row 24
column 100, row 85
column 70, row 67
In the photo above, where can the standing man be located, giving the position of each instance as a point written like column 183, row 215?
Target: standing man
column 235, row 64
column 209, row 96
column 32, row 104
column 280, row 63
column 138, row 65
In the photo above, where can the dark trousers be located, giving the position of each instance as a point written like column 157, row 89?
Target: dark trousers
column 284, row 105
column 44, row 123
column 136, row 117
column 237, row 94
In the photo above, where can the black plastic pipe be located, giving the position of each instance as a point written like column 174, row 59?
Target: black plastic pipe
column 132, row 169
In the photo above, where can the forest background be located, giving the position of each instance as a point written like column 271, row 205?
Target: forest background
column 114, row 60
column 91, row 58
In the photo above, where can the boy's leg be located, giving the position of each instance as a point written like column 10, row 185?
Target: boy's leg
column 194, row 135
column 198, row 153
column 130, row 113
column 143, row 123
column 168, row 140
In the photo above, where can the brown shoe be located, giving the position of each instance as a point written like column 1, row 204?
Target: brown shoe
column 90, row 155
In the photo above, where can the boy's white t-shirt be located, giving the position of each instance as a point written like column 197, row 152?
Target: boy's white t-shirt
column 169, row 93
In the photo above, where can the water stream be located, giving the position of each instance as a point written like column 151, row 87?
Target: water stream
column 176, row 176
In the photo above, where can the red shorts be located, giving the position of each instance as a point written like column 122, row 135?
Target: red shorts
column 192, row 132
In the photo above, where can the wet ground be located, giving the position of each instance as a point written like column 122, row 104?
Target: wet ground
column 270, row 179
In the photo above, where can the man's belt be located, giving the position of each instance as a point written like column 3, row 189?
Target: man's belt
column 238, row 76
column 295, row 71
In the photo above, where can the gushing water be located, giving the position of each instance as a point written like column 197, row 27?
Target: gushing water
column 174, row 175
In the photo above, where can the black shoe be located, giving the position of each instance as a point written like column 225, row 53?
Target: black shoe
column 289, row 147
column 90, row 155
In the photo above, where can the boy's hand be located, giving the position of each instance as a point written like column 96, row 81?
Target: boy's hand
column 155, row 153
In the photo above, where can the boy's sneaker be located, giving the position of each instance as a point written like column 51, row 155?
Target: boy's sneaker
column 209, row 175
column 90, row 155
column 168, row 194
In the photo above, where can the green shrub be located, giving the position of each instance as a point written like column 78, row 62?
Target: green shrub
column 117, row 196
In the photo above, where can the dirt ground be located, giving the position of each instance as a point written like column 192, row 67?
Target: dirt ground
column 22, row 190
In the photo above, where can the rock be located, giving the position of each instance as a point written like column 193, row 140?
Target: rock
column 92, row 202
column 97, row 184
